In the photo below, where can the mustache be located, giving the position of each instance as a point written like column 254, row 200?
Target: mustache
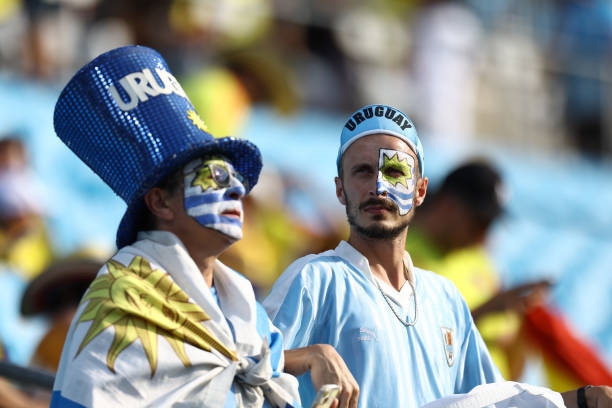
column 387, row 204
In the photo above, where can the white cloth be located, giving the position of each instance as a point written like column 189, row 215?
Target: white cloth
column 156, row 355
column 502, row 395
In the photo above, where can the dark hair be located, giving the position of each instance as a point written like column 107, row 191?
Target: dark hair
column 172, row 184
column 479, row 185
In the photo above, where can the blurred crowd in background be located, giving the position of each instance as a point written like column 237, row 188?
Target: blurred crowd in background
column 521, row 72
column 526, row 76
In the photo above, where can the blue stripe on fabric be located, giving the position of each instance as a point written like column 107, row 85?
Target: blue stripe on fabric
column 59, row 401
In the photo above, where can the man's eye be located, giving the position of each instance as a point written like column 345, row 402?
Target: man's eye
column 363, row 170
column 393, row 172
column 220, row 175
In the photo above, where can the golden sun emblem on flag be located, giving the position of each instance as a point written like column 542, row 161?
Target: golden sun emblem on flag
column 142, row 304
column 395, row 163
column 197, row 120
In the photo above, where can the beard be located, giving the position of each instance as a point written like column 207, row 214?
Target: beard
column 376, row 231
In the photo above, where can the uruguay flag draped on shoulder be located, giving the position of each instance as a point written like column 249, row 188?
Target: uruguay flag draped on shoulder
column 139, row 340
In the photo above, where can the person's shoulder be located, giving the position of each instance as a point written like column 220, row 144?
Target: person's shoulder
column 308, row 268
column 325, row 257
column 127, row 252
column 308, row 273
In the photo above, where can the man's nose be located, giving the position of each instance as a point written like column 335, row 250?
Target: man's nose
column 381, row 189
column 235, row 191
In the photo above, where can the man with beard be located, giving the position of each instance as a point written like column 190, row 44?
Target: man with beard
column 406, row 334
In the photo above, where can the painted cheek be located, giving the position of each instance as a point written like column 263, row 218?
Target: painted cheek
column 397, row 192
column 400, row 190
column 229, row 226
column 207, row 207
column 210, row 211
column 403, row 200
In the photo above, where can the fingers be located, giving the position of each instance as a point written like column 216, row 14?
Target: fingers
column 601, row 395
column 328, row 367
column 522, row 297
column 349, row 396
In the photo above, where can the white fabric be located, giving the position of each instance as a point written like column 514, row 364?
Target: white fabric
column 502, row 395
column 85, row 377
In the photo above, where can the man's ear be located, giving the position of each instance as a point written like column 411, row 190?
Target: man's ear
column 421, row 190
column 157, row 201
column 339, row 190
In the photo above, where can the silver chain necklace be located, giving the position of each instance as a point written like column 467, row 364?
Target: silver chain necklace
column 402, row 321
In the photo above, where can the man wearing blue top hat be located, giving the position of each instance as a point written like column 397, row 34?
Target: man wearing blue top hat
column 164, row 323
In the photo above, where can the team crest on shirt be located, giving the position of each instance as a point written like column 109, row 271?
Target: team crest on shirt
column 448, row 340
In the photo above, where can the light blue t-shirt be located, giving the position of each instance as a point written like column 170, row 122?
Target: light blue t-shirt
column 332, row 298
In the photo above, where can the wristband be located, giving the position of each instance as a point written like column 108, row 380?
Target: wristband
column 581, row 395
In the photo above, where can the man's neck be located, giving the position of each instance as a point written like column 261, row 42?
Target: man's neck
column 385, row 257
column 205, row 250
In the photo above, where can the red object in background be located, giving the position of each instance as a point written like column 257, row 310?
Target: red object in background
column 560, row 344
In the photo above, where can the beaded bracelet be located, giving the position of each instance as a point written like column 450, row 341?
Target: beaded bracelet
column 582, row 403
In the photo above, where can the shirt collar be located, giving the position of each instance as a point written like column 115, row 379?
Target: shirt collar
column 356, row 258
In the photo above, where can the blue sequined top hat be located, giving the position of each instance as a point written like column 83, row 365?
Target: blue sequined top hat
column 126, row 116
column 374, row 119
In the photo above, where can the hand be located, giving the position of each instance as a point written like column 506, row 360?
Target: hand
column 518, row 299
column 599, row 397
column 596, row 397
column 326, row 367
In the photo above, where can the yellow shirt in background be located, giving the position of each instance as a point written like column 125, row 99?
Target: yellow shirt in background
column 474, row 274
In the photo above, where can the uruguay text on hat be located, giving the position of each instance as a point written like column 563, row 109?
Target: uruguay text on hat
column 127, row 117
column 375, row 119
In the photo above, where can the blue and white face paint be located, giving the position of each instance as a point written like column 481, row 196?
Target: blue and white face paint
column 213, row 195
column 396, row 178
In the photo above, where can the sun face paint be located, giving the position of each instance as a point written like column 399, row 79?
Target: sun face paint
column 213, row 195
column 396, row 178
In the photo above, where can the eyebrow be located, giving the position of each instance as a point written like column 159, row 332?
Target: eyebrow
column 363, row 166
